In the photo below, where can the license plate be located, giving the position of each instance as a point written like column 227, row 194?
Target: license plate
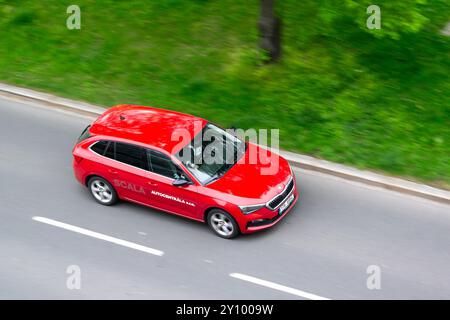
column 286, row 204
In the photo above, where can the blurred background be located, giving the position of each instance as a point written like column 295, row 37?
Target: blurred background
column 372, row 98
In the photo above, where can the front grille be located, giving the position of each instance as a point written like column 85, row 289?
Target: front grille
column 275, row 202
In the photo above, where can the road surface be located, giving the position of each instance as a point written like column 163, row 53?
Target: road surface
column 322, row 249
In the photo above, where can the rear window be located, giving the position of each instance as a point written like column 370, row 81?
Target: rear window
column 85, row 134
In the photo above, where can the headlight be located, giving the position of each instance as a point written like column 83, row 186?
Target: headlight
column 252, row 208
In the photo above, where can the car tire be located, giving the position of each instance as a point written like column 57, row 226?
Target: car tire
column 102, row 191
column 222, row 224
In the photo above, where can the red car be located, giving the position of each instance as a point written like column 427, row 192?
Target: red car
column 157, row 158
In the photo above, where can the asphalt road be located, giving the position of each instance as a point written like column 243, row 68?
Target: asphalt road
column 323, row 247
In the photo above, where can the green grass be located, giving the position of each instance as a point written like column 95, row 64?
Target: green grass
column 338, row 93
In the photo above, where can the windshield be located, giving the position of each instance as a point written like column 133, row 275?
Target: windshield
column 211, row 153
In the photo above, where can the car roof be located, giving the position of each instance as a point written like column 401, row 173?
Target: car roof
column 147, row 125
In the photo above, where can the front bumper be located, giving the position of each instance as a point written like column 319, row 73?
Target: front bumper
column 265, row 218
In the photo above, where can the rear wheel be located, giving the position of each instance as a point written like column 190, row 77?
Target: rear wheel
column 223, row 224
column 102, row 191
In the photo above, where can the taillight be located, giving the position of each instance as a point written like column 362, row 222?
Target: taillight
column 77, row 159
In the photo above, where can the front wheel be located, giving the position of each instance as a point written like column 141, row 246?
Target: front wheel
column 223, row 224
column 102, row 191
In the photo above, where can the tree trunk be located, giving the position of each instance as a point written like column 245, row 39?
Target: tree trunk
column 270, row 30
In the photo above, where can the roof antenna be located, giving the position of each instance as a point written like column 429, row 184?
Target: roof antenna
column 121, row 117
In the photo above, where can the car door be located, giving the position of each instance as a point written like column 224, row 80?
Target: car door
column 182, row 200
column 129, row 172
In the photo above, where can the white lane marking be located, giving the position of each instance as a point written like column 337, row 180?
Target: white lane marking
column 97, row 235
column 276, row 286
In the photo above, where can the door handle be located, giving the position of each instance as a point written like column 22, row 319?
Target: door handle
column 153, row 184
column 113, row 171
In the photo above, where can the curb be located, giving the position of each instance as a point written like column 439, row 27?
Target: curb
column 52, row 100
column 367, row 177
column 297, row 160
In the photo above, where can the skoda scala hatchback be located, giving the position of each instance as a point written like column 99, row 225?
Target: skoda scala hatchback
column 186, row 166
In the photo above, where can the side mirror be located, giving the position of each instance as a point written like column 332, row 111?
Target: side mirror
column 180, row 182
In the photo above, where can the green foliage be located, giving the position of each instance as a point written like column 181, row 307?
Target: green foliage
column 398, row 17
column 375, row 99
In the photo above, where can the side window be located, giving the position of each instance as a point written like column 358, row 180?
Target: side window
column 163, row 165
column 132, row 155
column 109, row 153
column 99, row 147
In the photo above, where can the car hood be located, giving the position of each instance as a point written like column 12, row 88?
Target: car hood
column 256, row 178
